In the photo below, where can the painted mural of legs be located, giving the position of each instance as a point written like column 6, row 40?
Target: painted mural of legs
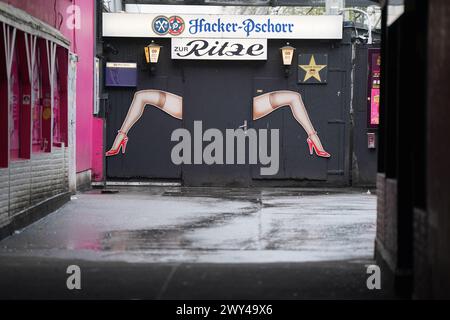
column 167, row 102
column 266, row 103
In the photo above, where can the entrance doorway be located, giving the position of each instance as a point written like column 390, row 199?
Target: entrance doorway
column 218, row 94
column 329, row 119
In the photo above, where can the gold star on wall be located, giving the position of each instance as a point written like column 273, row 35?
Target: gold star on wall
column 312, row 69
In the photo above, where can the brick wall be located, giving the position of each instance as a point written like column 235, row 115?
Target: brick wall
column 27, row 182
column 381, row 211
column 390, row 222
column 387, row 235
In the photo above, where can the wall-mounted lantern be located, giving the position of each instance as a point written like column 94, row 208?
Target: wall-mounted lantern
column 152, row 54
column 287, row 53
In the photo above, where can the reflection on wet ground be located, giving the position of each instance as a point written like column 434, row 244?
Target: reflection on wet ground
column 205, row 225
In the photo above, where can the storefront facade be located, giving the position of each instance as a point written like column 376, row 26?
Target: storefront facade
column 228, row 73
column 46, row 103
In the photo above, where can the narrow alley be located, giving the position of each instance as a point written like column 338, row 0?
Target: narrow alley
column 175, row 242
column 224, row 150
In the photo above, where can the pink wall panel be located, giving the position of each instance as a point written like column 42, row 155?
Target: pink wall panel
column 89, row 130
column 46, row 10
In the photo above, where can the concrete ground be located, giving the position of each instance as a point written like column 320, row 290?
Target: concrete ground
column 198, row 243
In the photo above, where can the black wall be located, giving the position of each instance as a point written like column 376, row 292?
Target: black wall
column 220, row 94
column 364, row 164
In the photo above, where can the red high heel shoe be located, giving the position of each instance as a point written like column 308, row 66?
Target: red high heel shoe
column 312, row 146
column 122, row 145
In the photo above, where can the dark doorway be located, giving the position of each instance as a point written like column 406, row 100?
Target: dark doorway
column 219, row 94
column 326, row 108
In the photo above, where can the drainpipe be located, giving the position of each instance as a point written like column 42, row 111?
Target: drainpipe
column 353, row 163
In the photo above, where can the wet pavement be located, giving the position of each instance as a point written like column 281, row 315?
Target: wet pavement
column 183, row 243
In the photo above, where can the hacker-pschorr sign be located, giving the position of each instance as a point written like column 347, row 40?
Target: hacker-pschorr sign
column 219, row 49
column 222, row 26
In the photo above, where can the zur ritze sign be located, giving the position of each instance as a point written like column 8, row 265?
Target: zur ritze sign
column 222, row 26
column 219, row 49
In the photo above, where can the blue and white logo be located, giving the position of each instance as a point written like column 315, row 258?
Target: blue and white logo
column 161, row 25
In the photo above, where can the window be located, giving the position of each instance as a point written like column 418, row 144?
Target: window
column 56, row 110
column 29, row 119
column 22, row 126
column 14, row 145
column 62, row 60
column 37, row 116
column 20, row 144
column 45, row 97
column 4, row 147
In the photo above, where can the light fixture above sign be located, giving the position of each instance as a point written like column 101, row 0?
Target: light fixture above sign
column 287, row 53
column 152, row 52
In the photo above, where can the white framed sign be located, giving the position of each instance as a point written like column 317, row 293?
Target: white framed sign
column 222, row 26
column 219, row 49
